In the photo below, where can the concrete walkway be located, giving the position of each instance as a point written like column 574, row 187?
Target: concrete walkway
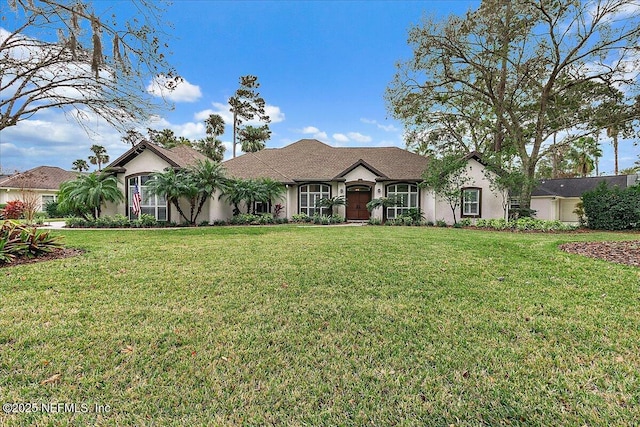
column 54, row 225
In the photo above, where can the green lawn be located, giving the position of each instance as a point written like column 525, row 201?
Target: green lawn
column 322, row 326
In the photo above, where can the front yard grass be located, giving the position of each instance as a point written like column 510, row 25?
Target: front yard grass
column 322, row 326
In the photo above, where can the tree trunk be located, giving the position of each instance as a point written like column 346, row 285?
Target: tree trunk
column 615, row 154
column 235, row 129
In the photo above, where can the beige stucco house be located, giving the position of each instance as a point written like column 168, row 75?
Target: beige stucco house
column 311, row 170
column 556, row 199
column 41, row 183
column 135, row 167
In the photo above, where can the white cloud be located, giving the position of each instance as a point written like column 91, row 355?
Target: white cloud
column 358, row 137
column 310, row 130
column 386, row 128
column 55, row 139
column 314, row 132
column 340, row 137
column 274, row 113
column 182, row 92
column 321, row 136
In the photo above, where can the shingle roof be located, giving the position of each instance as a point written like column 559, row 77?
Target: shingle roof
column 41, row 177
column 178, row 157
column 311, row 160
column 575, row 187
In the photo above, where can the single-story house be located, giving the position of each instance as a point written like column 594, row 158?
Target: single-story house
column 41, row 182
column 311, row 170
column 556, row 199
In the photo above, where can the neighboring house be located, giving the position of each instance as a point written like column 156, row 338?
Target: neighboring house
column 312, row 170
column 41, row 183
column 136, row 165
column 556, row 199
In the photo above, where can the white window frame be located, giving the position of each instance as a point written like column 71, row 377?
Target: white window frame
column 467, row 204
column 407, row 202
column 310, row 208
column 150, row 203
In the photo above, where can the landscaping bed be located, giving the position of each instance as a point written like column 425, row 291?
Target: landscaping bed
column 624, row 252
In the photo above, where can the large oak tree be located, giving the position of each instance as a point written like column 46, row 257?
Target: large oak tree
column 507, row 77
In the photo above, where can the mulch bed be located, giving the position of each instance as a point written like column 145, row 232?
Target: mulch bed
column 55, row 254
column 626, row 252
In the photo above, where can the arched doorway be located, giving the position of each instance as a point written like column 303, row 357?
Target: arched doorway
column 357, row 198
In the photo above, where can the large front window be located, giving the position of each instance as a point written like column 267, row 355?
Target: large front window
column 471, row 202
column 150, row 204
column 309, row 196
column 407, row 196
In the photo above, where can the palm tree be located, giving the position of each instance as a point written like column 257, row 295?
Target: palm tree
column 612, row 132
column 211, row 147
column 271, row 190
column 235, row 192
column 173, row 185
column 214, row 125
column 100, row 156
column 80, row 165
column 253, row 139
column 582, row 153
column 89, row 193
column 331, row 202
column 208, row 177
column 384, row 203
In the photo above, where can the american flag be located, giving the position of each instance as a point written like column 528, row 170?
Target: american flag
column 136, row 200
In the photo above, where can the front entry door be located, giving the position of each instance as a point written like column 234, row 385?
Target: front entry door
column 357, row 204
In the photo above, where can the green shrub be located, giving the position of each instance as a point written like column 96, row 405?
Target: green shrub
column 336, row 219
column 266, row 218
column 219, row 222
column 498, row 223
column 76, row 222
column 121, row 221
column 51, row 208
column 244, row 219
column 374, row 221
column 302, row 217
column 465, row 222
column 441, row 223
column 482, row 223
column 612, row 208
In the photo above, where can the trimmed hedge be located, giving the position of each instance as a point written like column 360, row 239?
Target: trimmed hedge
column 612, row 208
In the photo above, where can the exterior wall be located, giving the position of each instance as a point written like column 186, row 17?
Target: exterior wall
column 545, row 207
column 555, row 208
column 10, row 194
column 567, row 206
column 144, row 163
column 491, row 203
column 360, row 174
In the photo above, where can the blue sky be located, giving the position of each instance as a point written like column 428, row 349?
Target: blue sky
column 323, row 68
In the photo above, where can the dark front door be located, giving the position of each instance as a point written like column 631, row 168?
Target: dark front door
column 357, row 204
